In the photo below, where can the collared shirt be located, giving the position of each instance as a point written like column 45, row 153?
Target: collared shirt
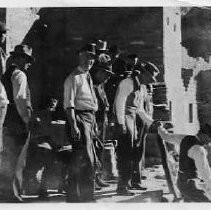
column 21, row 94
column 78, row 93
column 126, row 98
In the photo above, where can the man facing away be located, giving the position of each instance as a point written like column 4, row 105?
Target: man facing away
column 194, row 174
column 80, row 104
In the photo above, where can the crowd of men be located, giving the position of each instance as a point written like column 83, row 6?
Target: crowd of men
column 103, row 87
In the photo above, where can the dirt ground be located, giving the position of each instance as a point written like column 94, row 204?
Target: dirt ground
column 157, row 191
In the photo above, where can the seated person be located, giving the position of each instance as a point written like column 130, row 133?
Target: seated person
column 194, row 175
column 46, row 147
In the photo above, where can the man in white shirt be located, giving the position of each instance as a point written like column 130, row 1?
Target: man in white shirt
column 3, row 96
column 17, row 119
column 129, row 107
column 80, row 104
column 194, row 175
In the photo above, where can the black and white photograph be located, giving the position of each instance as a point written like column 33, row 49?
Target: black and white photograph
column 105, row 104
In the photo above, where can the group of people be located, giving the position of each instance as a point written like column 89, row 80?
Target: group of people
column 132, row 107
column 103, row 87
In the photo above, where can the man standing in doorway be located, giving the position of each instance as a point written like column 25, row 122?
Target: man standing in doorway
column 80, row 104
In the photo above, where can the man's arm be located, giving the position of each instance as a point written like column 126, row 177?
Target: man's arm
column 199, row 155
column 122, row 93
column 69, row 104
column 170, row 137
column 21, row 95
column 148, row 102
column 142, row 113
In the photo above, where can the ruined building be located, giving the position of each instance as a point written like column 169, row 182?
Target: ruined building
column 176, row 39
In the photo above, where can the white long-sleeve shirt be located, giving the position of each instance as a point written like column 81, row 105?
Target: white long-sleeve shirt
column 127, row 98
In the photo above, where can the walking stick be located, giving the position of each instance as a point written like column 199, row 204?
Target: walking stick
column 164, row 158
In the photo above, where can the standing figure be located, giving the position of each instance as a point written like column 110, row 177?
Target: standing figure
column 147, row 70
column 129, row 108
column 3, row 96
column 101, row 72
column 80, row 104
column 17, row 119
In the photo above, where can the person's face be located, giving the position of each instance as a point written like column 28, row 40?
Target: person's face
column 24, row 63
column 102, row 76
column 86, row 60
column 146, row 78
column 53, row 104
column 2, row 37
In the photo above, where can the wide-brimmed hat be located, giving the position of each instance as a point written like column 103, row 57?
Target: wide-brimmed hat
column 132, row 56
column 114, row 49
column 104, row 63
column 90, row 48
column 23, row 50
column 150, row 68
column 105, row 67
column 3, row 28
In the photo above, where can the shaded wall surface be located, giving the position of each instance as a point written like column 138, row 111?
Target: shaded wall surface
column 196, row 62
column 59, row 32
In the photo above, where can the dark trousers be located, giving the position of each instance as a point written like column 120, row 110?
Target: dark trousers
column 139, row 153
column 191, row 190
column 130, row 153
column 81, row 167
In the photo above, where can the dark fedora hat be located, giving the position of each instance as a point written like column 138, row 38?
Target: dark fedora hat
column 3, row 28
column 104, row 63
column 90, row 48
column 23, row 50
column 132, row 56
column 105, row 67
column 151, row 68
column 114, row 49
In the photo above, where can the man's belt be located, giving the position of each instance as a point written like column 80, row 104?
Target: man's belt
column 84, row 111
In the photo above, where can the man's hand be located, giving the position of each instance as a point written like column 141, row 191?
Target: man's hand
column 122, row 129
column 162, row 131
column 75, row 132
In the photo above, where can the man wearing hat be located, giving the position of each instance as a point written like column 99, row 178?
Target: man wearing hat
column 101, row 72
column 194, row 174
column 3, row 96
column 80, row 104
column 129, row 105
column 17, row 118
